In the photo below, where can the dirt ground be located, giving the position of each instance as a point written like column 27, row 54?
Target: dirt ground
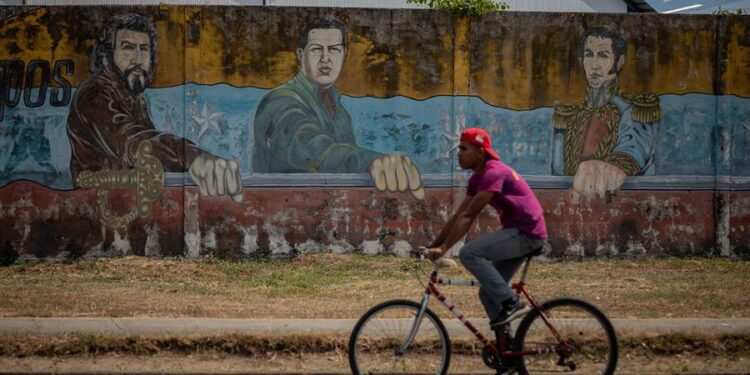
column 323, row 363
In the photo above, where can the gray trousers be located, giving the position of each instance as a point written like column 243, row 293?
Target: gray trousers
column 493, row 259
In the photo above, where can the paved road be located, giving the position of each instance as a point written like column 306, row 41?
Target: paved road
column 274, row 327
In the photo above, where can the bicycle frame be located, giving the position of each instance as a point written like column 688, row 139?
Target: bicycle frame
column 432, row 289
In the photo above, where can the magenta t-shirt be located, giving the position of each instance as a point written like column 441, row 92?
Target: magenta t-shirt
column 513, row 199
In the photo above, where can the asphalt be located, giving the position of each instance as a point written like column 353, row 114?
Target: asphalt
column 281, row 327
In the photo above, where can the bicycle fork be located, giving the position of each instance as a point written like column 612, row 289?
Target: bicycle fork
column 415, row 326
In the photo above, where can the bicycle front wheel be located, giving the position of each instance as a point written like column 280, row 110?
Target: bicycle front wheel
column 585, row 342
column 376, row 345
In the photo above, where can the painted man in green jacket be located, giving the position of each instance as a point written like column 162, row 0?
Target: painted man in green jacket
column 301, row 126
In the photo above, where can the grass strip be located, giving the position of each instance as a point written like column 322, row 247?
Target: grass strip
column 251, row 345
column 343, row 286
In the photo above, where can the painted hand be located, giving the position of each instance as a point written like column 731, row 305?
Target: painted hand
column 596, row 178
column 217, row 177
column 397, row 173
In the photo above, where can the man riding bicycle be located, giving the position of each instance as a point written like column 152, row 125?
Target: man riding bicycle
column 494, row 257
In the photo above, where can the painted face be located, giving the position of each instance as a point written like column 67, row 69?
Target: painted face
column 599, row 61
column 323, row 57
column 469, row 155
column 133, row 58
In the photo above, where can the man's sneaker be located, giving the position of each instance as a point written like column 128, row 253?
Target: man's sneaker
column 511, row 311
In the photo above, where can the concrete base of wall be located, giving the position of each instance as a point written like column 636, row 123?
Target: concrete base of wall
column 41, row 223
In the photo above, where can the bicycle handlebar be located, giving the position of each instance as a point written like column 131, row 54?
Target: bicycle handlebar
column 421, row 255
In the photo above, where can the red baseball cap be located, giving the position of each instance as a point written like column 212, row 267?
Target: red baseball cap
column 479, row 137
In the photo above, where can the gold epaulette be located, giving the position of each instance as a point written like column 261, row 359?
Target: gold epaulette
column 646, row 107
column 564, row 114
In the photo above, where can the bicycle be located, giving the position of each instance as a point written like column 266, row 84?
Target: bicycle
column 402, row 336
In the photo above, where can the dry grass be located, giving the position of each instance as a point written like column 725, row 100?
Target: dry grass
column 344, row 286
column 80, row 344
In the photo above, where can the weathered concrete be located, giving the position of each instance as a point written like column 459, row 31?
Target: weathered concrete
column 41, row 223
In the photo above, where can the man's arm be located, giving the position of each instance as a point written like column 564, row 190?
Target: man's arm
column 461, row 223
column 449, row 224
column 115, row 130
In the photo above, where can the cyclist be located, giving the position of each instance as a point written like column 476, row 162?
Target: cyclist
column 494, row 257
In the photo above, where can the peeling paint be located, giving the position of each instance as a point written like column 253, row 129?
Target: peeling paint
column 652, row 223
column 606, row 249
column 405, row 212
column 310, row 246
column 400, row 249
column 558, row 208
column 120, row 246
column 249, row 240
column 575, row 250
column 277, row 243
column 208, row 241
column 340, row 247
column 152, row 248
column 635, row 249
column 192, row 235
column 372, row 248
column 656, row 210
column 192, row 245
column 723, row 217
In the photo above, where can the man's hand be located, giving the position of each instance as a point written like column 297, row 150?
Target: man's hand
column 217, row 177
column 596, row 178
column 434, row 253
column 397, row 173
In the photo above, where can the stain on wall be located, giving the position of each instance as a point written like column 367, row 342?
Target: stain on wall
column 79, row 94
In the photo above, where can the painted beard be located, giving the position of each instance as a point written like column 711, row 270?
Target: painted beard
column 136, row 79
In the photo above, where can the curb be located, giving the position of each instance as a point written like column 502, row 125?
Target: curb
column 282, row 327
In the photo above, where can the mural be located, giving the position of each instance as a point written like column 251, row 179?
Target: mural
column 109, row 117
column 611, row 134
column 302, row 126
column 245, row 131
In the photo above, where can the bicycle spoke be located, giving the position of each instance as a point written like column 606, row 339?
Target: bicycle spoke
column 382, row 331
column 588, row 343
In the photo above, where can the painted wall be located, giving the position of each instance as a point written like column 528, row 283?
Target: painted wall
column 264, row 143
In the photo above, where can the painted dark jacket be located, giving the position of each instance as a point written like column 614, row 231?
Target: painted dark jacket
column 610, row 126
column 295, row 133
column 107, row 122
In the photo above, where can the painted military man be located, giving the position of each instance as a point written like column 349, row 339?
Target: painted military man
column 109, row 116
column 301, row 126
column 612, row 134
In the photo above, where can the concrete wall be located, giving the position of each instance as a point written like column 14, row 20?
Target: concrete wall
column 410, row 82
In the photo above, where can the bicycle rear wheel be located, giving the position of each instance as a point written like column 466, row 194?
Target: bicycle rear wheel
column 381, row 331
column 588, row 342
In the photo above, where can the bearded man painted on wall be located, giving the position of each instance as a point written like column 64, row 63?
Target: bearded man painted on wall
column 612, row 134
column 109, row 116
